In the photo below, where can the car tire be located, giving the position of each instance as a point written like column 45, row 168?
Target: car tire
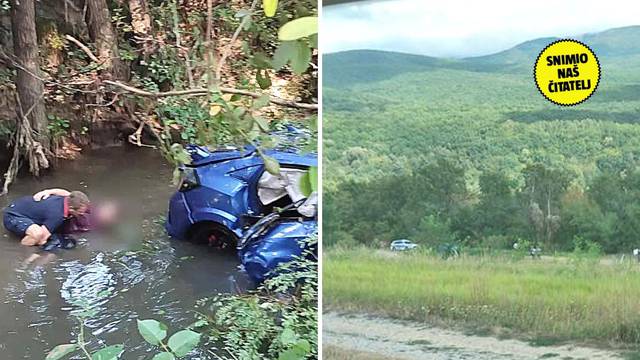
column 213, row 235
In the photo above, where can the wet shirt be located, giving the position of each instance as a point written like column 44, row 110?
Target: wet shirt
column 49, row 212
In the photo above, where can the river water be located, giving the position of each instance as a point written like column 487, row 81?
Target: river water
column 139, row 274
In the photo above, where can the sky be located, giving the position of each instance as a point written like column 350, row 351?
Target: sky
column 459, row 28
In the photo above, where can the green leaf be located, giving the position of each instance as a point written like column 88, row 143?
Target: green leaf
column 271, row 165
column 288, row 336
column 269, row 7
column 302, row 57
column 313, row 41
column 242, row 13
column 262, row 123
column 299, row 351
column 264, row 81
column 183, row 341
column 261, row 102
column 305, row 189
column 283, row 54
column 298, row 28
column 247, row 23
column 313, row 178
column 109, row 353
column 60, row 351
column 152, row 331
column 199, row 323
column 261, row 61
column 255, row 131
column 177, row 174
column 164, row 356
column 308, row 184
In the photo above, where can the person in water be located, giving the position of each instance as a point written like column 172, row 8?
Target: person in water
column 41, row 222
column 97, row 216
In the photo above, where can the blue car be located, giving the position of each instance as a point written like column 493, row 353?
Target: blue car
column 227, row 199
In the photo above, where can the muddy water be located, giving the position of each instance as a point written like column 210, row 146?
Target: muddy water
column 136, row 273
column 405, row 340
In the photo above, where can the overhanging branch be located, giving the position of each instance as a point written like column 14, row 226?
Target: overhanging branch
column 203, row 91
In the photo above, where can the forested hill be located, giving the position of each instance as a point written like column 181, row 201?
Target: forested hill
column 453, row 128
column 348, row 67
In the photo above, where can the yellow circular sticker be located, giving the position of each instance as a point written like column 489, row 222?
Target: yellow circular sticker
column 567, row 72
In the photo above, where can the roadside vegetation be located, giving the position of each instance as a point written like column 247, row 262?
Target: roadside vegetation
column 572, row 297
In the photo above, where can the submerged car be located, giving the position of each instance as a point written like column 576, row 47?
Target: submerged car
column 402, row 245
column 227, row 199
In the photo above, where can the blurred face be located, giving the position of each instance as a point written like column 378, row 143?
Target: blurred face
column 107, row 213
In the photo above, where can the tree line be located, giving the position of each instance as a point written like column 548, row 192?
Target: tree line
column 432, row 205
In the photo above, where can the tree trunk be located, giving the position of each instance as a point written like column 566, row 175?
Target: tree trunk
column 28, row 80
column 141, row 23
column 103, row 35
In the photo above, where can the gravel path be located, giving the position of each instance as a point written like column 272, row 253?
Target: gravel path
column 405, row 340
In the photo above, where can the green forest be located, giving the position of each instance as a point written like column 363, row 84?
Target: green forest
column 466, row 151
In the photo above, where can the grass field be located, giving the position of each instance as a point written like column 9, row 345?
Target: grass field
column 546, row 301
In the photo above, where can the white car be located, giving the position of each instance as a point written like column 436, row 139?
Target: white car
column 402, row 245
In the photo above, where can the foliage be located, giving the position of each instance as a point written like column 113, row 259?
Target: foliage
column 449, row 251
column 178, row 345
column 586, row 248
column 58, row 126
column 6, row 131
column 82, row 345
column 278, row 321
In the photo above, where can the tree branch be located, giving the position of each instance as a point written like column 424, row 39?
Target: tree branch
column 202, row 91
column 227, row 49
column 83, row 47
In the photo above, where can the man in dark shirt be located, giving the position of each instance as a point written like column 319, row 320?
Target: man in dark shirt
column 35, row 221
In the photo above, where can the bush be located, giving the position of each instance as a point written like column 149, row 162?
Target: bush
column 498, row 242
column 433, row 231
column 586, row 248
column 277, row 321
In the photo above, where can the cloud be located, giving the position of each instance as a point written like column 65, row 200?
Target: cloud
column 456, row 28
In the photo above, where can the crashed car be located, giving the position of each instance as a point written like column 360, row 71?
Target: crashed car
column 227, row 199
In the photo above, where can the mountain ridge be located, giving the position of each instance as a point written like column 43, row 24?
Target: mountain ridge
column 355, row 66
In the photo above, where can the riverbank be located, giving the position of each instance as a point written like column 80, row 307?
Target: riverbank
column 544, row 302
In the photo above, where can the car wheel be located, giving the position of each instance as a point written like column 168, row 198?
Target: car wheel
column 213, row 235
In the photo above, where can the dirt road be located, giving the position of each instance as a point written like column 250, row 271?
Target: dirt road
column 405, row 340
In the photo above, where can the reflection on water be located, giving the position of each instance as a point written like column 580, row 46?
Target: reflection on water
column 117, row 280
